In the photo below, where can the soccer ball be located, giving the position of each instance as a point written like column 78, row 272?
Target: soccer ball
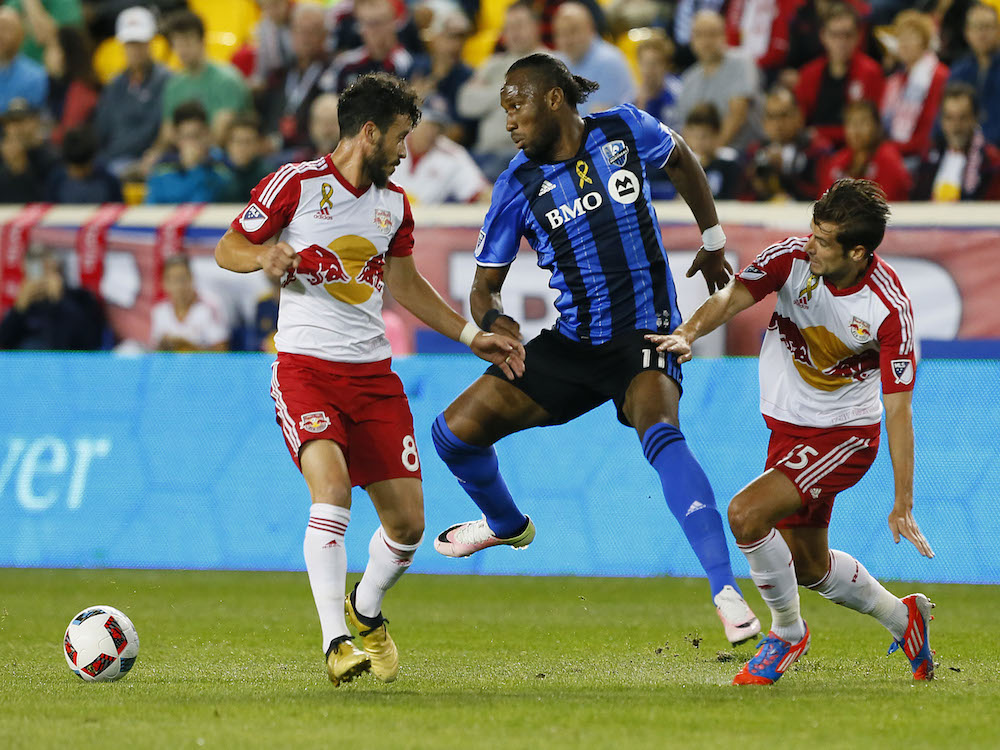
column 101, row 644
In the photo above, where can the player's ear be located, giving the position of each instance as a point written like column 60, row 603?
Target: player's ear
column 554, row 98
column 858, row 253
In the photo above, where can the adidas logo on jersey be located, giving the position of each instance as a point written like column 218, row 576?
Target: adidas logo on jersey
column 547, row 187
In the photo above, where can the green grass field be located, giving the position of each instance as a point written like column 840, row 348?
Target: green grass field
column 232, row 660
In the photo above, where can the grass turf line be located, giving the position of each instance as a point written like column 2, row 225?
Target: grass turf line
column 233, row 660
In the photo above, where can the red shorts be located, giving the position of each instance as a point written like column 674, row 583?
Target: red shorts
column 821, row 463
column 360, row 406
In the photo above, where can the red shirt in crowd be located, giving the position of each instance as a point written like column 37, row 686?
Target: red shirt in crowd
column 884, row 167
column 864, row 81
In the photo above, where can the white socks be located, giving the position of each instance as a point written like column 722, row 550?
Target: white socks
column 387, row 561
column 772, row 570
column 848, row 582
column 326, row 563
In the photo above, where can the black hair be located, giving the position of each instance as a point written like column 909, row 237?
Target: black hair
column 79, row 145
column 78, row 54
column 192, row 109
column 243, row 120
column 555, row 74
column 957, row 89
column 184, row 22
column 859, row 210
column 379, row 98
column 706, row 114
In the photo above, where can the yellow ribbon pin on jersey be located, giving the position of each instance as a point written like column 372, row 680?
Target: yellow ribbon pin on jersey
column 811, row 284
column 327, row 196
column 582, row 168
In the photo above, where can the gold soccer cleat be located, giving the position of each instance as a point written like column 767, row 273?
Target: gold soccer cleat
column 344, row 661
column 375, row 640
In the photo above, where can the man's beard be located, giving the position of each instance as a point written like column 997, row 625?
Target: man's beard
column 378, row 168
column 543, row 150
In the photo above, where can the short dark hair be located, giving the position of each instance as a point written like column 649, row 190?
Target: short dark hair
column 958, row 89
column 705, row 114
column 576, row 89
column 863, row 105
column 79, row 145
column 183, row 22
column 859, row 210
column 841, row 10
column 379, row 98
column 243, row 120
column 192, row 109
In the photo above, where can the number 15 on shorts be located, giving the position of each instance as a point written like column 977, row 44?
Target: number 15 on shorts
column 798, row 456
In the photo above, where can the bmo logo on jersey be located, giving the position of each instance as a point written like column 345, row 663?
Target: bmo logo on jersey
column 566, row 212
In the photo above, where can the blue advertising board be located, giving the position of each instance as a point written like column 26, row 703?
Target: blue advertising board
column 175, row 461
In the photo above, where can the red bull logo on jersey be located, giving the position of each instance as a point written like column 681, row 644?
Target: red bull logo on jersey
column 349, row 268
column 371, row 274
column 861, row 330
column 318, row 265
column 383, row 220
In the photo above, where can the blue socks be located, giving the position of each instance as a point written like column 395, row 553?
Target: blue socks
column 479, row 474
column 690, row 498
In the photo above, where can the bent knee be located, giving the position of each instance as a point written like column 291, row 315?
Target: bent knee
column 405, row 530
column 745, row 520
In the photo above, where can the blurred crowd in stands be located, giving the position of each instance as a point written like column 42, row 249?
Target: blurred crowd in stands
column 172, row 101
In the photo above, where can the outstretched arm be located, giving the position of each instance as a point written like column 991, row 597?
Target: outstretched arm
column 412, row 291
column 899, row 428
column 718, row 309
column 685, row 172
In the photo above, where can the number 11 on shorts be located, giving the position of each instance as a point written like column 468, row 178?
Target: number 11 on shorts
column 647, row 359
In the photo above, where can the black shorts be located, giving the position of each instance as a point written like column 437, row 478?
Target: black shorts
column 568, row 378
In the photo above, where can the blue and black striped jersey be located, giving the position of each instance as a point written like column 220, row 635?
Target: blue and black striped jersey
column 591, row 221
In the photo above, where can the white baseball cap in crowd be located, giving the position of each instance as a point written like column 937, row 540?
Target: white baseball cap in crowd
column 136, row 24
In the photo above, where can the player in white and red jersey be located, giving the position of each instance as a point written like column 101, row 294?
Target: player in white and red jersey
column 345, row 232
column 842, row 327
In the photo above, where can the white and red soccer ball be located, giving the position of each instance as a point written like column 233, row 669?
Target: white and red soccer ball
column 101, row 644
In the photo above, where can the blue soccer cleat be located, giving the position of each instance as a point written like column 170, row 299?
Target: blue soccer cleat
column 774, row 655
column 915, row 643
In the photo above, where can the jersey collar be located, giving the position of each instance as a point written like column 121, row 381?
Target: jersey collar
column 343, row 180
column 861, row 282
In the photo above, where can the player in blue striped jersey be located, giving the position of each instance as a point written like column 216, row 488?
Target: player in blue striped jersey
column 579, row 193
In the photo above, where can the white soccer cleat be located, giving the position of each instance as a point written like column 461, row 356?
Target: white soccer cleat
column 463, row 539
column 738, row 619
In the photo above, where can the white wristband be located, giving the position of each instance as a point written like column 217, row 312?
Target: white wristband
column 468, row 333
column 713, row 238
